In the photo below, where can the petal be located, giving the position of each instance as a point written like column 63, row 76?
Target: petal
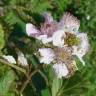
column 9, row 58
column 61, row 70
column 84, row 46
column 31, row 30
column 49, row 29
column 47, row 55
column 48, row 17
column 79, row 53
column 22, row 59
column 58, row 38
column 44, row 39
column 70, row 22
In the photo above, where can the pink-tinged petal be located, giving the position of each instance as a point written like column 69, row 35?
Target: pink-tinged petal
column 48, row 17
column 49, row 26
column 31, row 30
column 49, row 29
column 70, row 22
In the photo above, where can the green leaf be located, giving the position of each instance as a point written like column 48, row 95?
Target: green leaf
column 56, row 86
column 45, row 92
column 1, row 37
column 5, row 82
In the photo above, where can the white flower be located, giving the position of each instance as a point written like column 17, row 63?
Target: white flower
column 55, row 33
column 9, row 58
column 22, row 59
column 47, row 55
column 58, row 38
column 52, row 29
column 61, row 70
column 82, row 49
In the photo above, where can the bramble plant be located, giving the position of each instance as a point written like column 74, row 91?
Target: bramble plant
column 47, row 48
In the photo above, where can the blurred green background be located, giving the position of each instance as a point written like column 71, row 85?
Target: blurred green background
column 14, row 14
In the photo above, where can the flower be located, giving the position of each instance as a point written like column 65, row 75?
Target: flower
column 61, row 58
column 65, row 41
column 46, row 31
column 50, row 29
column 9, row 58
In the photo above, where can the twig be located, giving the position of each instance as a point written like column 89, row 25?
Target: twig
column 30, row 76
column 28, row 80
column 44, row 76
column 13, row 66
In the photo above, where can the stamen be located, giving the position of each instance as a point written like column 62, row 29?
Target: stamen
column 71, row 39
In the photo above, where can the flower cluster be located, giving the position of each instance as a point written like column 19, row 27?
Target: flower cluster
column 65, row 42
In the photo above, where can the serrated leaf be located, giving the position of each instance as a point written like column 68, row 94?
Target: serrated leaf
column 5, row 82
column 56, row 85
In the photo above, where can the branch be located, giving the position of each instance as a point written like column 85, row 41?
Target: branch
column 13, row 66
column 28, row 80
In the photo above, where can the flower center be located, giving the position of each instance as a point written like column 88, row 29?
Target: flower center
column 71, row 39
column 63, row 54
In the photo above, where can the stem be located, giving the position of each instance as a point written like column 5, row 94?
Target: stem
column 44, row 76
column 62, row 87
column 13, row 66
column 28, row 80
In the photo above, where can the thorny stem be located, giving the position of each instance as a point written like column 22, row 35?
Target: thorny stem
column 13, row 66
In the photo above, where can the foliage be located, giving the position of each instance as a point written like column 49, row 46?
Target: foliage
column 1, row 38
column 15, row 14
column 6, row 83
